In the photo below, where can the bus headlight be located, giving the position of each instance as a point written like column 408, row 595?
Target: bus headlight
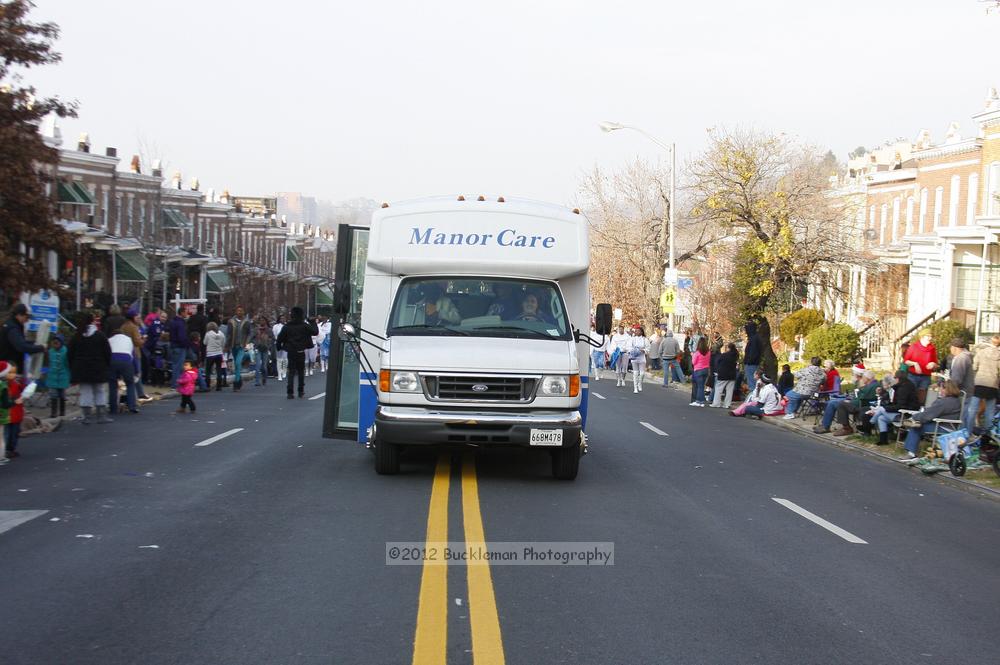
column 555, row 386
column 405, row 382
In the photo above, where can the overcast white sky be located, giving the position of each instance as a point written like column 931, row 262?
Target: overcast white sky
column 393, row 100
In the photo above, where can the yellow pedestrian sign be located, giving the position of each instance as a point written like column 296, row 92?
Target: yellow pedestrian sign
column 668, row 300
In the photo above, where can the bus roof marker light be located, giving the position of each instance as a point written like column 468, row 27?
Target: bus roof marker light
column 461, row 197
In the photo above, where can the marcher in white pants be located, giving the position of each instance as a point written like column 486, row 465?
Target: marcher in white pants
column 619, row 342
column 638, row 348
column 282, row 356
column 598, row 355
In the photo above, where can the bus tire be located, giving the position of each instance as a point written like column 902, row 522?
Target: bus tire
column 566, row 463
column 386, row 458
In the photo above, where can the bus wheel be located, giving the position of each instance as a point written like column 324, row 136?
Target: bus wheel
column 386, row 458
column 566, row 463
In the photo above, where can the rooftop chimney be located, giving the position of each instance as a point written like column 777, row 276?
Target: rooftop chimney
column 111, row 152
column 135, row 167
column 195, row 184
column 157, row 169
column 83, row 145
column 175, row 182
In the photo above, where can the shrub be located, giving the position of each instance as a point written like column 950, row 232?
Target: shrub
column 837, row 342
column 800, row 322
column 944, row 331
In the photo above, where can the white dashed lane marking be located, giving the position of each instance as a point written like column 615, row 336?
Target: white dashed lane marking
column 654, row 430
column 816, row 519
column 219, row 437
column 598, row 395
column 12, row 518
column 321, row 395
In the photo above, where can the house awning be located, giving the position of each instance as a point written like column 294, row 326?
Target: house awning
column 69, row 194
column 324, row 296
column 174, row 219
column 131, row 266
column 218, row 281
column 292, row 255
column 84, row 193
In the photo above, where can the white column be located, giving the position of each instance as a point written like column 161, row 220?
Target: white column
column 202, row 279
column 971, row 195
column 947, row 278
column 895, row 218
column 114, row 275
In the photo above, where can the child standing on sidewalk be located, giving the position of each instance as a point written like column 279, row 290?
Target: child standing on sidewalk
column 57, row 378
column 185, row 386
column 15, row 416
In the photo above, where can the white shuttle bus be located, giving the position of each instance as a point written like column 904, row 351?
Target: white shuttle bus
column 475, row 329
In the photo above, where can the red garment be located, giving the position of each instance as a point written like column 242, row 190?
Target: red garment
column 186, row 381
column 922, row 355
column 831, row 380
column 14, row 388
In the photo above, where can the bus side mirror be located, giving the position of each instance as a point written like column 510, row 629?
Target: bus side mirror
column 602, row 319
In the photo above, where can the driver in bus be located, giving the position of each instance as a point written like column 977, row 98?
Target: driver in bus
column 438, row 307
column 530, row 310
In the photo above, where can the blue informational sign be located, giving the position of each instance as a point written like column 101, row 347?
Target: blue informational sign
column 685, row 283
column 44, row 306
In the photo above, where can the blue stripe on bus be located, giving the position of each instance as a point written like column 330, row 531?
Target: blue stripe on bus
column 584, row 400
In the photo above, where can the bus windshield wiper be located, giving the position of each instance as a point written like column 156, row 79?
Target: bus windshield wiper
column 518, row 329
column 428, row 326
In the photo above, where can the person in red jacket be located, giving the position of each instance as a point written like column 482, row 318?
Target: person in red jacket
column 921, row 361
column 185, row 385
column 15, row 386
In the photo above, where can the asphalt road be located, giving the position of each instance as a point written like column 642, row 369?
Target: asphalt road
column 269, row 546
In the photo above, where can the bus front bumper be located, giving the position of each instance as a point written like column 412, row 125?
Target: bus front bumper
column 409, row 425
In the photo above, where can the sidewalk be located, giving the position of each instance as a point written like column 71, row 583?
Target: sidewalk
column 982, row 482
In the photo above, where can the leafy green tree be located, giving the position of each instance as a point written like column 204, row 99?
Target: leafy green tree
column 27, row 213
column 800, row 322
column 838, row 342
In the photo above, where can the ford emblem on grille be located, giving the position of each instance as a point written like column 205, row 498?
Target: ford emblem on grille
column 480, row 387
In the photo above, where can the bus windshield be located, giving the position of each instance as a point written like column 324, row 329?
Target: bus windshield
column 479, row 307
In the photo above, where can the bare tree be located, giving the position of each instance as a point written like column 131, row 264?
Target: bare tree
column 628, row 211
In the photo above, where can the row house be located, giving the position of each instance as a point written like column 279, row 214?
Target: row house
column 931, row 219
column 139, row 238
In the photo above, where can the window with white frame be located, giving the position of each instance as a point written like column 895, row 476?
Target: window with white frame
column 971, row 196
column 923, row 210
column 967, row 286
column 895, row 218
column 104, row 209
column 910, row 204
column 882, row 221
column 956, row 186
column 993, row 191
column 938, row 205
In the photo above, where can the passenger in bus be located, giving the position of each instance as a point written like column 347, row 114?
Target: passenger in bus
column 505, row 305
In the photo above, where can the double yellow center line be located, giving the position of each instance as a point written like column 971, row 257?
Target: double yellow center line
column 430, row 644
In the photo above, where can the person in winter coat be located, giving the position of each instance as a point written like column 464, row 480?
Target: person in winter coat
column 15, row 414
column 262, row 345
column 904, row 397
column 726, row 371
column 947, row 406
column 921, row 360
column 701, row 361
column 765, row 400
column 986, row 368
column 180, row 344
column 843, row 408
column 295, row 337
column 671, row 356
column 89, row 358
column 751, row 353
column 13, row 345
column 239, row 338
column 808, row 380
column 5, row 404
column 282, row 355
column 185, row 385
column 215, row 343
column 832, row 376
column 57, row 378
column 123, row 368
column 786, row 380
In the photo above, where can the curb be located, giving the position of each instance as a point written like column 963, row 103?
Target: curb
column 942, row 477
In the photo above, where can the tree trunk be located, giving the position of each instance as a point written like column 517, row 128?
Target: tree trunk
column 768, row 361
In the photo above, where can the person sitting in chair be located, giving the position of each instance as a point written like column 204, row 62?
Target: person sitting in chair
column 948, row 406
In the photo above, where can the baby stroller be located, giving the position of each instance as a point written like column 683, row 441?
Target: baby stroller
column 979, row 452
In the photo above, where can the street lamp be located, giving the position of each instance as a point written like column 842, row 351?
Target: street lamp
column 608, row 127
